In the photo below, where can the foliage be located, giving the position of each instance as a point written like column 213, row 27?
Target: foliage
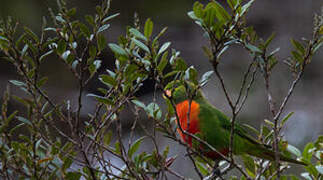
column 33, row 144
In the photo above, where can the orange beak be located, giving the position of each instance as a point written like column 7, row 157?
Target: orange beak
column 169, row 93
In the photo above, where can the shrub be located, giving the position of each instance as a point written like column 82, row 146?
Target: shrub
column 33, row 144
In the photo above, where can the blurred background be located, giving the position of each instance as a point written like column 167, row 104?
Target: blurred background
column 288, row 19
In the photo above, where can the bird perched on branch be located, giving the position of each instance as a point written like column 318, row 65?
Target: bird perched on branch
column 214, row 127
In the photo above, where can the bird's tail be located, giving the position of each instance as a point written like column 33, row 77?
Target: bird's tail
column 269, row 154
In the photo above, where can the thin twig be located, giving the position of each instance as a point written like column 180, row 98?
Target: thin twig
column 194, row 163
column 233, row 109
column 244, row 81
column 215, row 67
column 247, row 91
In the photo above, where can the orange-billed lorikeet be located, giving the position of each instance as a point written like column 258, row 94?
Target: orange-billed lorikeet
column 214, row 127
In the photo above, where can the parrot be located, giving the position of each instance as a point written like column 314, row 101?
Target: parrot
column 214, row 127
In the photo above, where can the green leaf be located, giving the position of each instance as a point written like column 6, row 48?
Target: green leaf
column 191, row 74
column 198, row 9
column 287, row 117
column 221, row 13
column 268, row 41
column 103, row 28
column 166, row 151
column 66, row 54
column 292, row 177
column 70, row 59
column 73, row 176
column 243, row 178
column 271, row 124
column 253, row 48
column 250, row 128
column 274, row 52
column 67, row 163
column 307, row 152
column 293, row 150
column 139, row 103
column 171, row 85
column 12, row 115
column 118, row 50
column 283, row 177
column 153, row 111
column 141, row 45
column 233, row 3
column 60, row 19
column 85, row 30
column 172, row 73
column 131, row 70
column 236, row 178
column 24, row 120
column 264, row 131
column 250, row 165
column 4, row 39
column 245, row 7
column 94, row 67
column 162, row 32
column 97, row 64
column 312, row 170
column 73, row 45
column 31, row 46
column 67, row 146
column 42, row 57
column 135, row 146
column 31, row 34
column 137, row 34
column 17, row 83
column 298, row 46
column 148, row 30
column 108, row 80
column 92, row 51
column 61, row 47
column 202, row 169
column 110, row 17
column 192, row 15
column 319, row 155
column 102, row 42
column 317, row 46
column 164, row 47
column 205, row 78
column 117, row 147
column 107, row 138
column 298, row 57
column 180, row 64
column 319, row 168
column 37, row 145
column 50, row 29
column 42, row 81
column 111, row 73
column 90, row 19
column 21, row 100
column 163, row 63
column 210, row 15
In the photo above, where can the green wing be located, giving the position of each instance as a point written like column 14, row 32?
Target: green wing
column 240, row 131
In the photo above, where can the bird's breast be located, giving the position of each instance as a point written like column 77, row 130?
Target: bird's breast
column 190, row 124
